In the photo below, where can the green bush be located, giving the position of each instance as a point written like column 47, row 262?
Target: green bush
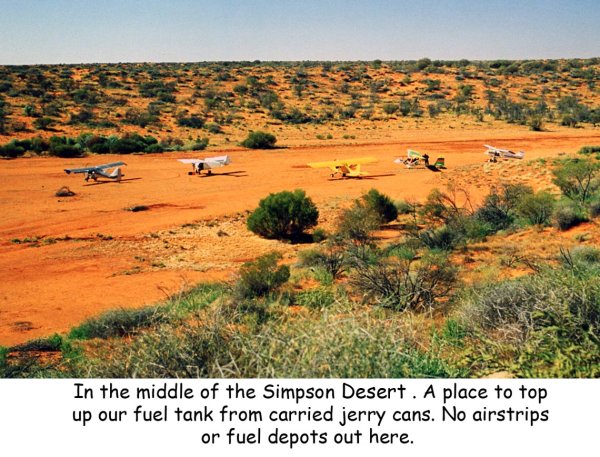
column 66, row 150
column 3, row 358
column 588, row 150
column 547, row 323
column 444, row 238
column 566, row 216
column 594, row 208
column 120, row 322
column 332, row 257
column 311, row 345
column 444, row 206
column 536, row 123
column 319, row 235
column 320, row 297
column 43, row 123
column 405, row 282
column 537, row 208
column 259, row 140
column 404, row 207
column 262, row 276
column 577, row 179
column 357, row 223
column 11, row 150
column 66, row 147
column 380, row 204
column 283, row 215
column 199, row 144
column 213, row 127
column 192, row 121
column 498, row 208
column 130, row 143
column 581, row 259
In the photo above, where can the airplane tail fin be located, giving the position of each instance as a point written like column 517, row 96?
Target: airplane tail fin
column 355, row 172
column 116, row 174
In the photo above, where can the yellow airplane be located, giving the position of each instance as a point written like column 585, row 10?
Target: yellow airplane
column 347, row 168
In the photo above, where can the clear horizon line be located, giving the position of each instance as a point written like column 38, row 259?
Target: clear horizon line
column 294, row 61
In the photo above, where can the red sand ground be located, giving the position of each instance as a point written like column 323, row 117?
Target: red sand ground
column 51, row 284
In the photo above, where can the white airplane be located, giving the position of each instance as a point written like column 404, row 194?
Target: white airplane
column 206, row 164
column 100, row 171
column 495, row 153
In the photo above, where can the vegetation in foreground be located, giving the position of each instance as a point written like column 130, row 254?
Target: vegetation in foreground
column 354, row 306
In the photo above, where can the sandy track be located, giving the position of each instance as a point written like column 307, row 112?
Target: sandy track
column 53, row 283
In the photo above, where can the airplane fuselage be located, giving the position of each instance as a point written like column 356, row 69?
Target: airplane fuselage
column 95, row 174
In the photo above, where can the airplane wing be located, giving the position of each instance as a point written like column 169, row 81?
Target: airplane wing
column 194, row 161
column 96, row 167
column 211, row 162
column 79, row 170
column 110, row 165
column 514, row 155
column 224, row 159
column 413, row 153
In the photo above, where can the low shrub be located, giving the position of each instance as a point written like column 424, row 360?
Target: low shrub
column 11, row 150
column 404, row 207
column 577, row 178
column 405, row 282
column 43, row 123
column 381, row 204
column 51, row 344
column 357, row 224
column 3, row 358
column 261, row 276
column 319, row 235
column 333, row 257
column 581, row 259
column 62, row 146
column 120, row 322
column 594, row 208
column 311, row 345
column 548, row 322
column 320, row 297
column 192, row 121
column 283, row 215
column 445, row 238
column 567, row 215
column 587, row 150
column 499, row 206
column 536, row 209
column 259, row 140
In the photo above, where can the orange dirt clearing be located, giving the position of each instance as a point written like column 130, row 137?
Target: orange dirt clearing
column 64, row 259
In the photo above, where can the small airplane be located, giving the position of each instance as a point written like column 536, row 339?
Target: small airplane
column 496, row 153
column 99, row 171
column 347, row 168
column 206, row 164
column 413, row 159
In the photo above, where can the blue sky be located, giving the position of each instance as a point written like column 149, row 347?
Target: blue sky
column 81, row 31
